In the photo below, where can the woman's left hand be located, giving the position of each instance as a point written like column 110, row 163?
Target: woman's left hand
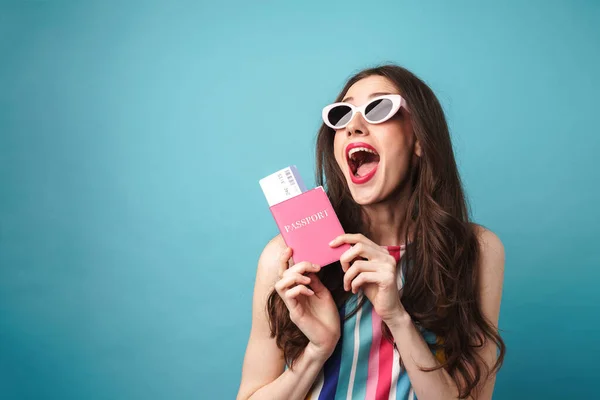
column 370, row 267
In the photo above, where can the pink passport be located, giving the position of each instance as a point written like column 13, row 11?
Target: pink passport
column 308, row 223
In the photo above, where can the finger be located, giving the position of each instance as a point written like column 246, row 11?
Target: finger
column 299, row 290
column 284, row 259
column 364, row 278
column 289, row 279
column 382, row 278
column 316, row 285
column 304, row 267
column 352, row 238
column 356, row 268
column 357, row 251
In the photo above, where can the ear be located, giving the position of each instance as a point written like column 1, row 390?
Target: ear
column 418, row 150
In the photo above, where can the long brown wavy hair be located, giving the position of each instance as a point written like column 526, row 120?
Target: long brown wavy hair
column 441, row 286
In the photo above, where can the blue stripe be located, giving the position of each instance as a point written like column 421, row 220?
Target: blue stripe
column 402, row 386
column 365, row 339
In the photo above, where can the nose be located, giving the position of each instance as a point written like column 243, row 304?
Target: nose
column 357, row 126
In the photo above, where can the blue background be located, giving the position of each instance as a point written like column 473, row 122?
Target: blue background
column 132, row 138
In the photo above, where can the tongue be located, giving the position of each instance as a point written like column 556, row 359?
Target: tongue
column 365, row 168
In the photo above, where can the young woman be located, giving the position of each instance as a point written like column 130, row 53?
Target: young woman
column 411, row 309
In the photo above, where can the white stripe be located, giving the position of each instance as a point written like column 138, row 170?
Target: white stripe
column 395, row 374
column 400, row 273
column 318, row 385
column 411, row 394
column 400, row 278
column 356, row 348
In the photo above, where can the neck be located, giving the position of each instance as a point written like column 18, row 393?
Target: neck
column 386, row 221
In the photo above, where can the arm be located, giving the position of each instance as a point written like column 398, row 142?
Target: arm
column 263, row 375
column 414, row 350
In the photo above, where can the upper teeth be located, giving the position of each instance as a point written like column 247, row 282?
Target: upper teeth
column 357, row 149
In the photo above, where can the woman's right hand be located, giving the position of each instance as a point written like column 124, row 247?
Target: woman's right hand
column 313, row 311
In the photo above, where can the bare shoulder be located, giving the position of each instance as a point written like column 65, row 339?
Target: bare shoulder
column 492, row 249
column 491, row 272
column 268, row 263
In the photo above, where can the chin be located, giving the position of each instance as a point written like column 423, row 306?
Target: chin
column 365, row 196
column 366, row 200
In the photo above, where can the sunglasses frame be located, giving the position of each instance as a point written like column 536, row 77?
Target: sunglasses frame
column 397, row 102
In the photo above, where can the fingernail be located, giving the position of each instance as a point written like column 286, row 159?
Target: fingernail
column 333, row 241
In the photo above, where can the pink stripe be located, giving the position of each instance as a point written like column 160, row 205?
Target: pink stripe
column 373, row 373
column 381, row 356
column 386, row 361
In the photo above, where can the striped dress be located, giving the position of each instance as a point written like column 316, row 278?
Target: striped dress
column 364, row 365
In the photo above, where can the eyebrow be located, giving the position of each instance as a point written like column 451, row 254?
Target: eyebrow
column 370, row 96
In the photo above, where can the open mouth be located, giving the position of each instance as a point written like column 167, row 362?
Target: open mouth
column 362, row 160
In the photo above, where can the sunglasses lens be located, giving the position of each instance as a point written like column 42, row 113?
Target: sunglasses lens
column 378, row 110
column 339, row 116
